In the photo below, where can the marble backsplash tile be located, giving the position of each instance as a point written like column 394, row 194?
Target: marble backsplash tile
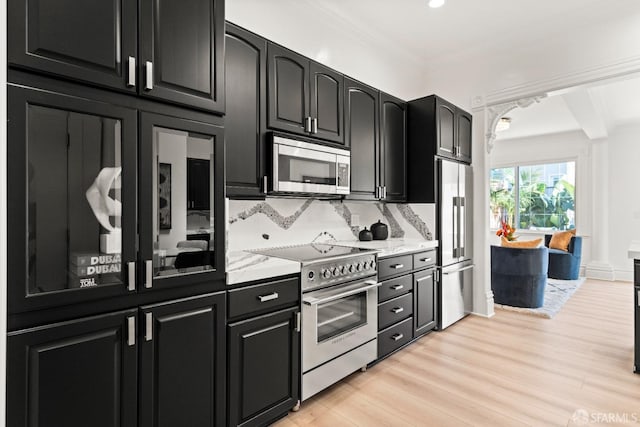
column 287, row 221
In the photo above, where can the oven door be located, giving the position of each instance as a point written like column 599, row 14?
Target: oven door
column 305, row 168
column 336, row 320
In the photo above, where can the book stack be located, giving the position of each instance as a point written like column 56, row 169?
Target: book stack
column 87, row 269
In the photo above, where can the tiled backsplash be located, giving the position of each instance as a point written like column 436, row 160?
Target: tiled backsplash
column 284, row 221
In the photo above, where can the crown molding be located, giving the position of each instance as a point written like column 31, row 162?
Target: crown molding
column 620, row 68
column 495, row 112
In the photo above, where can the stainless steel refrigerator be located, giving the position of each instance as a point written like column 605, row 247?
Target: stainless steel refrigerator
column 455, row 232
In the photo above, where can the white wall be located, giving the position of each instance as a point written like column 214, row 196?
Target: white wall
column 565, row 146
column 624, row 197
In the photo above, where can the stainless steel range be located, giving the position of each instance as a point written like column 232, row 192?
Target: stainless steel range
column 339, row 311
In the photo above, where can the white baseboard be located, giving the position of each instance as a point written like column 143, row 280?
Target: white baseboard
column 624, row 275
column 600, row 270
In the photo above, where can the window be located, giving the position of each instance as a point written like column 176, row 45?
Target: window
column 534, row 197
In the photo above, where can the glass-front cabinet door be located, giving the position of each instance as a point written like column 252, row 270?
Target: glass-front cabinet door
column 72, row 199
column 181, row 228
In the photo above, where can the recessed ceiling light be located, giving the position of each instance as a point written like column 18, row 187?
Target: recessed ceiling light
column 503, row 124
column 435, row 3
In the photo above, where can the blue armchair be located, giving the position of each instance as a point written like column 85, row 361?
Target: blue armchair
column 519, row 276
column 565, row 265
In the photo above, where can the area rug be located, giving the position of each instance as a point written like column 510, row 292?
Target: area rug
column 556, row 294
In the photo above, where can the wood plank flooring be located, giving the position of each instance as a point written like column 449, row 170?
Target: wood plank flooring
column 513, row 369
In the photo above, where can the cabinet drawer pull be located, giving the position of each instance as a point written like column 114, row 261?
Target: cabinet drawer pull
column 131, row 78
column 397, row 310
column 148, row 320
column 148, row 280
column 265, row 298
column 397, row 266
column 397, row 287
column 314, row 125
column 131, row 269
column 149, row 75
column 131, row 331
column 425, row 259
column 397, row 337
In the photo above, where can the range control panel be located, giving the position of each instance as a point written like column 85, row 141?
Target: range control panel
column 337, row 271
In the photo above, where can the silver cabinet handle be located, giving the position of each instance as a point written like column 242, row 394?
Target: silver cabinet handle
column 131, row 331
column 446, row 273
column 397, row 287
column 343, row 292
column 298, row 322
column 307, row 124
column 377, row 196
column 148, row 84
column 131, row 77
column 384, row 192
column 397, row 310
column 397, row 266
column 397, row 337
column 265, row 182
column 314, row 123
column 148, row 279
column 270, row 297
column 148, row 323
column 131, row 281
column 638, row 298
column 425, row 259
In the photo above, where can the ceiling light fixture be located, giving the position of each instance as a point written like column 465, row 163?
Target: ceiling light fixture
column 503, row 124
column 435, row 3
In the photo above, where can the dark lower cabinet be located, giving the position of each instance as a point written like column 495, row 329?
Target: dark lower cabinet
column 74, row 374
column 182, row 363
column 425, row 298
column 264, row 368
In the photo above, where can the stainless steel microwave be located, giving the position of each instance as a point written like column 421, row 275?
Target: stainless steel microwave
column 308, row 168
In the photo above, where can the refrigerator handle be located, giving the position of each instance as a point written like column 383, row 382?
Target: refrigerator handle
column 462, row 218
column 455, row 227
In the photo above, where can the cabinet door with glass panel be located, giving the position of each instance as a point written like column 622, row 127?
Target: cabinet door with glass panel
column 181, row 225
column 72, row 199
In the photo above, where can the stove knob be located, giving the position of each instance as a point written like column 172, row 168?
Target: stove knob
column 343, row 269
column 326, row 273
column 311, row 275
column 372, row 263
column 335, row 271
column 366, row 265
column 358, row 266
column 352, row 268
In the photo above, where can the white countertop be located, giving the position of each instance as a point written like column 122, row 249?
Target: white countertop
column 392, row 247
column 634, row 250
column 246, row 266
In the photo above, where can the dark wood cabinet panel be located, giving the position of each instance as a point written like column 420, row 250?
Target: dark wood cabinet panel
column 245, row 119
column 288, row 74
column 327, row 87
column 464, row 130
column 362, row 135
column 393, row 137
column 90, row 40
column 264, row 368
column 74, row 373
column 445, row 128
column 394, row 337
column 182, row 52
column 182, row 363
column 424, row 299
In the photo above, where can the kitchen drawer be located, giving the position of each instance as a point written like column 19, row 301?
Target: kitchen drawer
column 424, row 259
column 263, row 297
column 394, row 287
column 394, row 337
column 395, row 266
column 394, row 310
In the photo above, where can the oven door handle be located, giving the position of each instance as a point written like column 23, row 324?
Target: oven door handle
column 341, row 293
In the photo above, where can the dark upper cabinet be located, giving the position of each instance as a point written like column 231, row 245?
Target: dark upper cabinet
column 90, row 40
column 264, row 368
column 168, row 146
column 393, row 143
column 435, row 128
column 74, row 374
column 182, row 52
column 304, row 97
column 72, row 174
column 425, row 299
column 182, row 362
column 362, row 135
column 181, row 57
column 245, row 119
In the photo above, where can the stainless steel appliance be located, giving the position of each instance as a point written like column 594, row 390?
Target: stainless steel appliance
column 304, row 167
column 455, row 235
column 339, row 311
column 636, row 313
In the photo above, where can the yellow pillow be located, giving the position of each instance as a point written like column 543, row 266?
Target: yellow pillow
column 524, row 244
column 560, row 240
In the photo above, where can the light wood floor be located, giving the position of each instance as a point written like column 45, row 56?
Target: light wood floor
column 513, row 369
